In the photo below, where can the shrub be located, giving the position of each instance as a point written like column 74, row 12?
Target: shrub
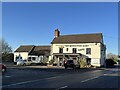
column 51, row 61
column 83, row 63
column 45, row 61
column 8, row 57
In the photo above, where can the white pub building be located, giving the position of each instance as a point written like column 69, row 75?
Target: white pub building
column 75, row 46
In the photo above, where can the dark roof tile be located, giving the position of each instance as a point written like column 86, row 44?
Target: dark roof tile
column 24, row 48
column 41, row 50
column 78, row 38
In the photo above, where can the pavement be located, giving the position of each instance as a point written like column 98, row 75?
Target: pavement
column 12, row 65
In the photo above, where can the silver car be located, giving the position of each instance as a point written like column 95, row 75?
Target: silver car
column 23, row 62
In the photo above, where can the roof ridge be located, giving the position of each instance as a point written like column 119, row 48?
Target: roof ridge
column 78, row 38
column 24, row 48
column 27, row 45
column 42, row 45
column 82, row 34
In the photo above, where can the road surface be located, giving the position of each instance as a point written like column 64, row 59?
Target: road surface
column 58, row 79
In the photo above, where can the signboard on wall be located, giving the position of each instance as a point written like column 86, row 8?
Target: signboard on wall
column 62, row 46
column 95, row 61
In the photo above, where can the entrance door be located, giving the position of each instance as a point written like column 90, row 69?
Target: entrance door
column 60, row 61
column 88, row 61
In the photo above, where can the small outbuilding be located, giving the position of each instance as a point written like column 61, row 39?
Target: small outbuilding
column 36, row 54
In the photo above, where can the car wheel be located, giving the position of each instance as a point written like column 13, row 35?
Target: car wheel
column 24, row 64
column 78, row 67
column 73, row 67
column 3, row 70
column 65, row 67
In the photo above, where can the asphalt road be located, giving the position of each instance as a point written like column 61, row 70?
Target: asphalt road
column 60, row 78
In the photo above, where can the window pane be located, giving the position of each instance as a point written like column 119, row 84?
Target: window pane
column 20, row 57
column 33, row 58
column 66, row 49
column 29, row 58
column 17, row 58
column 60, row 50
column 74, row 50
column 88, row 50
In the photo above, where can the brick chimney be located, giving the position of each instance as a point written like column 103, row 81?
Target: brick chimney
column 56, row 33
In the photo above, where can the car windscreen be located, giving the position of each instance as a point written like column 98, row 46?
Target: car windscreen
column 70, row 61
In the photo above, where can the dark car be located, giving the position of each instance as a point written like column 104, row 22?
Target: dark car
column 2, row 67
column 71, row 64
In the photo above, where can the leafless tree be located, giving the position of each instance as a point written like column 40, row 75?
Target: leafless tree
column 6, row 48
column 112, row 56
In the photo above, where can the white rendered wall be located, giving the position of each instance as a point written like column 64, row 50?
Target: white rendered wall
column 24, row 55
column 95, row 55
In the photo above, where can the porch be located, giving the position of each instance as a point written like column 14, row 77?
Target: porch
column 59, row 58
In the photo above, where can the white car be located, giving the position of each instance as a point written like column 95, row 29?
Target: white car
column 23, row 62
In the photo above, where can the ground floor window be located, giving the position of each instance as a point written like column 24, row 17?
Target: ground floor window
column 18, row 57
column 61, row 61
column 41, row 56
column 74, row 58
column 29, row 58
column 33, row 58
column 67, row 56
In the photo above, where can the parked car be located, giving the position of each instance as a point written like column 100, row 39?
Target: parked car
column 71, row 64
column 109, row 62
column 23, row 62
column 2, row 67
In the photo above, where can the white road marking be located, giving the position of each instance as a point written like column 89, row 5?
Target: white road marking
column 97, row 77
column 97, row 71
column 28, row 81
column 7, row 76
column 105, row 74
column 64, row 87
column 90, row 79
column 61, row 87
column 53, row 77
column 49, row 78
column 19, row 83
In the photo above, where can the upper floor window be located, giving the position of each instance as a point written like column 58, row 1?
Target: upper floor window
column 74, row 50
column 88, row 50
column 60, row 50
column 66, row 49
